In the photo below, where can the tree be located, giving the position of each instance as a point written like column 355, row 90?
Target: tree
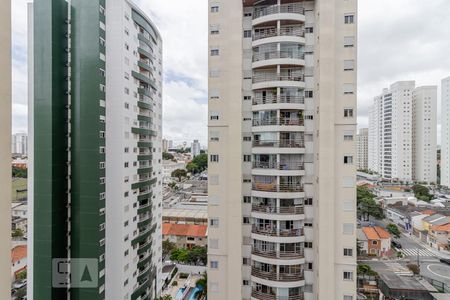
column 421, row 192
column 366, row 270
column 167, row 247
column 20, row 293
column 180, row 255
column 17, row 233
column 192, row 168
column 414, row 268
column 198, row 254
column 393, row 229
column 201, row 161
column 366, row 205
column 165, row 297
column 173, row 185
column 179, row 173
column 203, row 285
column 19, row 172
column 22, row 275
column 167, row 156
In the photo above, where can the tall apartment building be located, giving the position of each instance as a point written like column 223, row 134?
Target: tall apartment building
column 362, row 149
column 19, row 143
column 281, row 172
column 97, row 141
column 402, row 133
column 5, row 147
column 195, row 148
column 445, row 132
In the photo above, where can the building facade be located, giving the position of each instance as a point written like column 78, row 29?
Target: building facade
column 5, row 148
column 19, row 143
column 445, row 132
column 362, row 149
column 96, row 130
column 402, row 133
column 195, row 148
column 281, row 150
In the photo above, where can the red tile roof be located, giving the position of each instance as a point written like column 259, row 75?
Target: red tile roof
column 18, row 253
column 375, row 233
column 445, row 227
column 428, row 212
column 185, row 230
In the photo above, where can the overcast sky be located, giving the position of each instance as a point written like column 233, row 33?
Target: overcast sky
column 398, row 40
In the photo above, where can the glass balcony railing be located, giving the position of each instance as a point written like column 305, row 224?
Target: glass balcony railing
column 259, row 77
column 282, row 143
column 262, row 33
column 280, row 210
column 273, row 276
column 260, row 295
column 290, row 8
column 278, row 121
column 272, row 99
column 277, row 54
column 291, row 165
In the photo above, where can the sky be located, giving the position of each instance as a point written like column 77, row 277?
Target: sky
column 397, row 40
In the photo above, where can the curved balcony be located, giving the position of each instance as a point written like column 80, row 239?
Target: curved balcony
column 281, row 143
column 277, row 232
column 273, row 99
column 278, row 58
column 278, row 121
column 273, row 254
column 273, row 276
column 274, row 187
column 293, row 34
column 289, row 8
column 280, row 210
column 291, row 165
column 259, row 295
column 265, row 80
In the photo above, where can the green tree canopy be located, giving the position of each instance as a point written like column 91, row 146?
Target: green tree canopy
column 366, row 270
column 167, row 247
column 179, row 173
column 167, row 156
column 393, row 229
column 201, row 161
column 421, row 192
column 17, row 233
column 367, row 206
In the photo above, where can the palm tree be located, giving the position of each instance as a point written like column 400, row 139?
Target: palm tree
column 203, row 283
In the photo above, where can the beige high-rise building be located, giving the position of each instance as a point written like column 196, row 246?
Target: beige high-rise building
column 281, row 150
column 362, row 146
column 5, row 149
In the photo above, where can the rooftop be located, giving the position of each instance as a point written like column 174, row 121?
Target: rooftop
column 18, row 253
column 185, row 230
column 375, row 233
column 445, row 227
column 396, row 282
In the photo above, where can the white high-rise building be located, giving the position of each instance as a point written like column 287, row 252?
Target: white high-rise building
column 282, row 151
column 20, row 143
column 362, row 149
column 445, row 132
column 424, row 131
column 399, row 122
column 195, row 148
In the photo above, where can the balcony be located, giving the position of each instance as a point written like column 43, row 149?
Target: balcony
column 274, row 99
column 278, row 254
column 259, row 77
column 292, row 31
column 278, row 121
column 269, row 231
column 265, row 296
column 282, row 143
column 274, row 187
column 273, row 276
column 277, row 55
column 291, row 165
column 290, row 8
column 281, row 210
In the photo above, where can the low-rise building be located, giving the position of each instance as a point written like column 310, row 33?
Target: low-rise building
column 439, row 236
column 18, row 260
column 185, row 216
column 185, row 235
column 168, row 166
column 378, row 241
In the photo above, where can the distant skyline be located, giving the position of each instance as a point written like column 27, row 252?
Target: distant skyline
column 393, row 45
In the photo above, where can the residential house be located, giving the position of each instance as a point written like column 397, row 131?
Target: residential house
column 378, row 241
column 185, row 235
column 361, row 241
column 18, row 260
column 439, row 236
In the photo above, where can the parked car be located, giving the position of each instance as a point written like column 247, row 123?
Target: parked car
column 445, row 261
column 396, row 244
column 19, row 284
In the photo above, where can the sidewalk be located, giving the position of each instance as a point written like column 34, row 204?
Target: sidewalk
column 439, row 254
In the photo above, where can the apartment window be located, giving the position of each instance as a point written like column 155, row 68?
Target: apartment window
column 214, row 73
column 126, row 253
column 102, row 72
column 127, row 47
column 127, row 32
column 214, row 116
column 102, row 242
column 213, row 243
column 102, row 150
column 246, row 261
column 126, row 165
column 214, row 264
column 102, row 87
column 102, row 165
column 102, row 180
column 308, row 245
column 348, row 113
column 126, row 91
column 348, row 275
column 214, row 158
column 247, row 199
column 246, row 220
column 126, row 150
column 214, row 8
column 349, row 19
column 348, row 88
column 308, row 225
column 309, row 29
column 247, row 158
column 247, row 98
column 126, row 75
column 102, row 10
column 348, row 252
column 102, row 103
column 247, row 138
column 127, row 105
column 102, row 25
column 247, row 14
column 349, row 41
column 309, row 94
column 374, row 242
column 346, row 297
column 102, row 134
column 214, row 29
column 245, row 282
column 348, row 136
column 102, row 227
column 214, row 223
column 347, row 228
column 309, row 266
column 349, row 65
column 247, row 33
column 215, row 52
column 214, row 136
column 102, row 211
column 309, row 201
column 348, row 160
